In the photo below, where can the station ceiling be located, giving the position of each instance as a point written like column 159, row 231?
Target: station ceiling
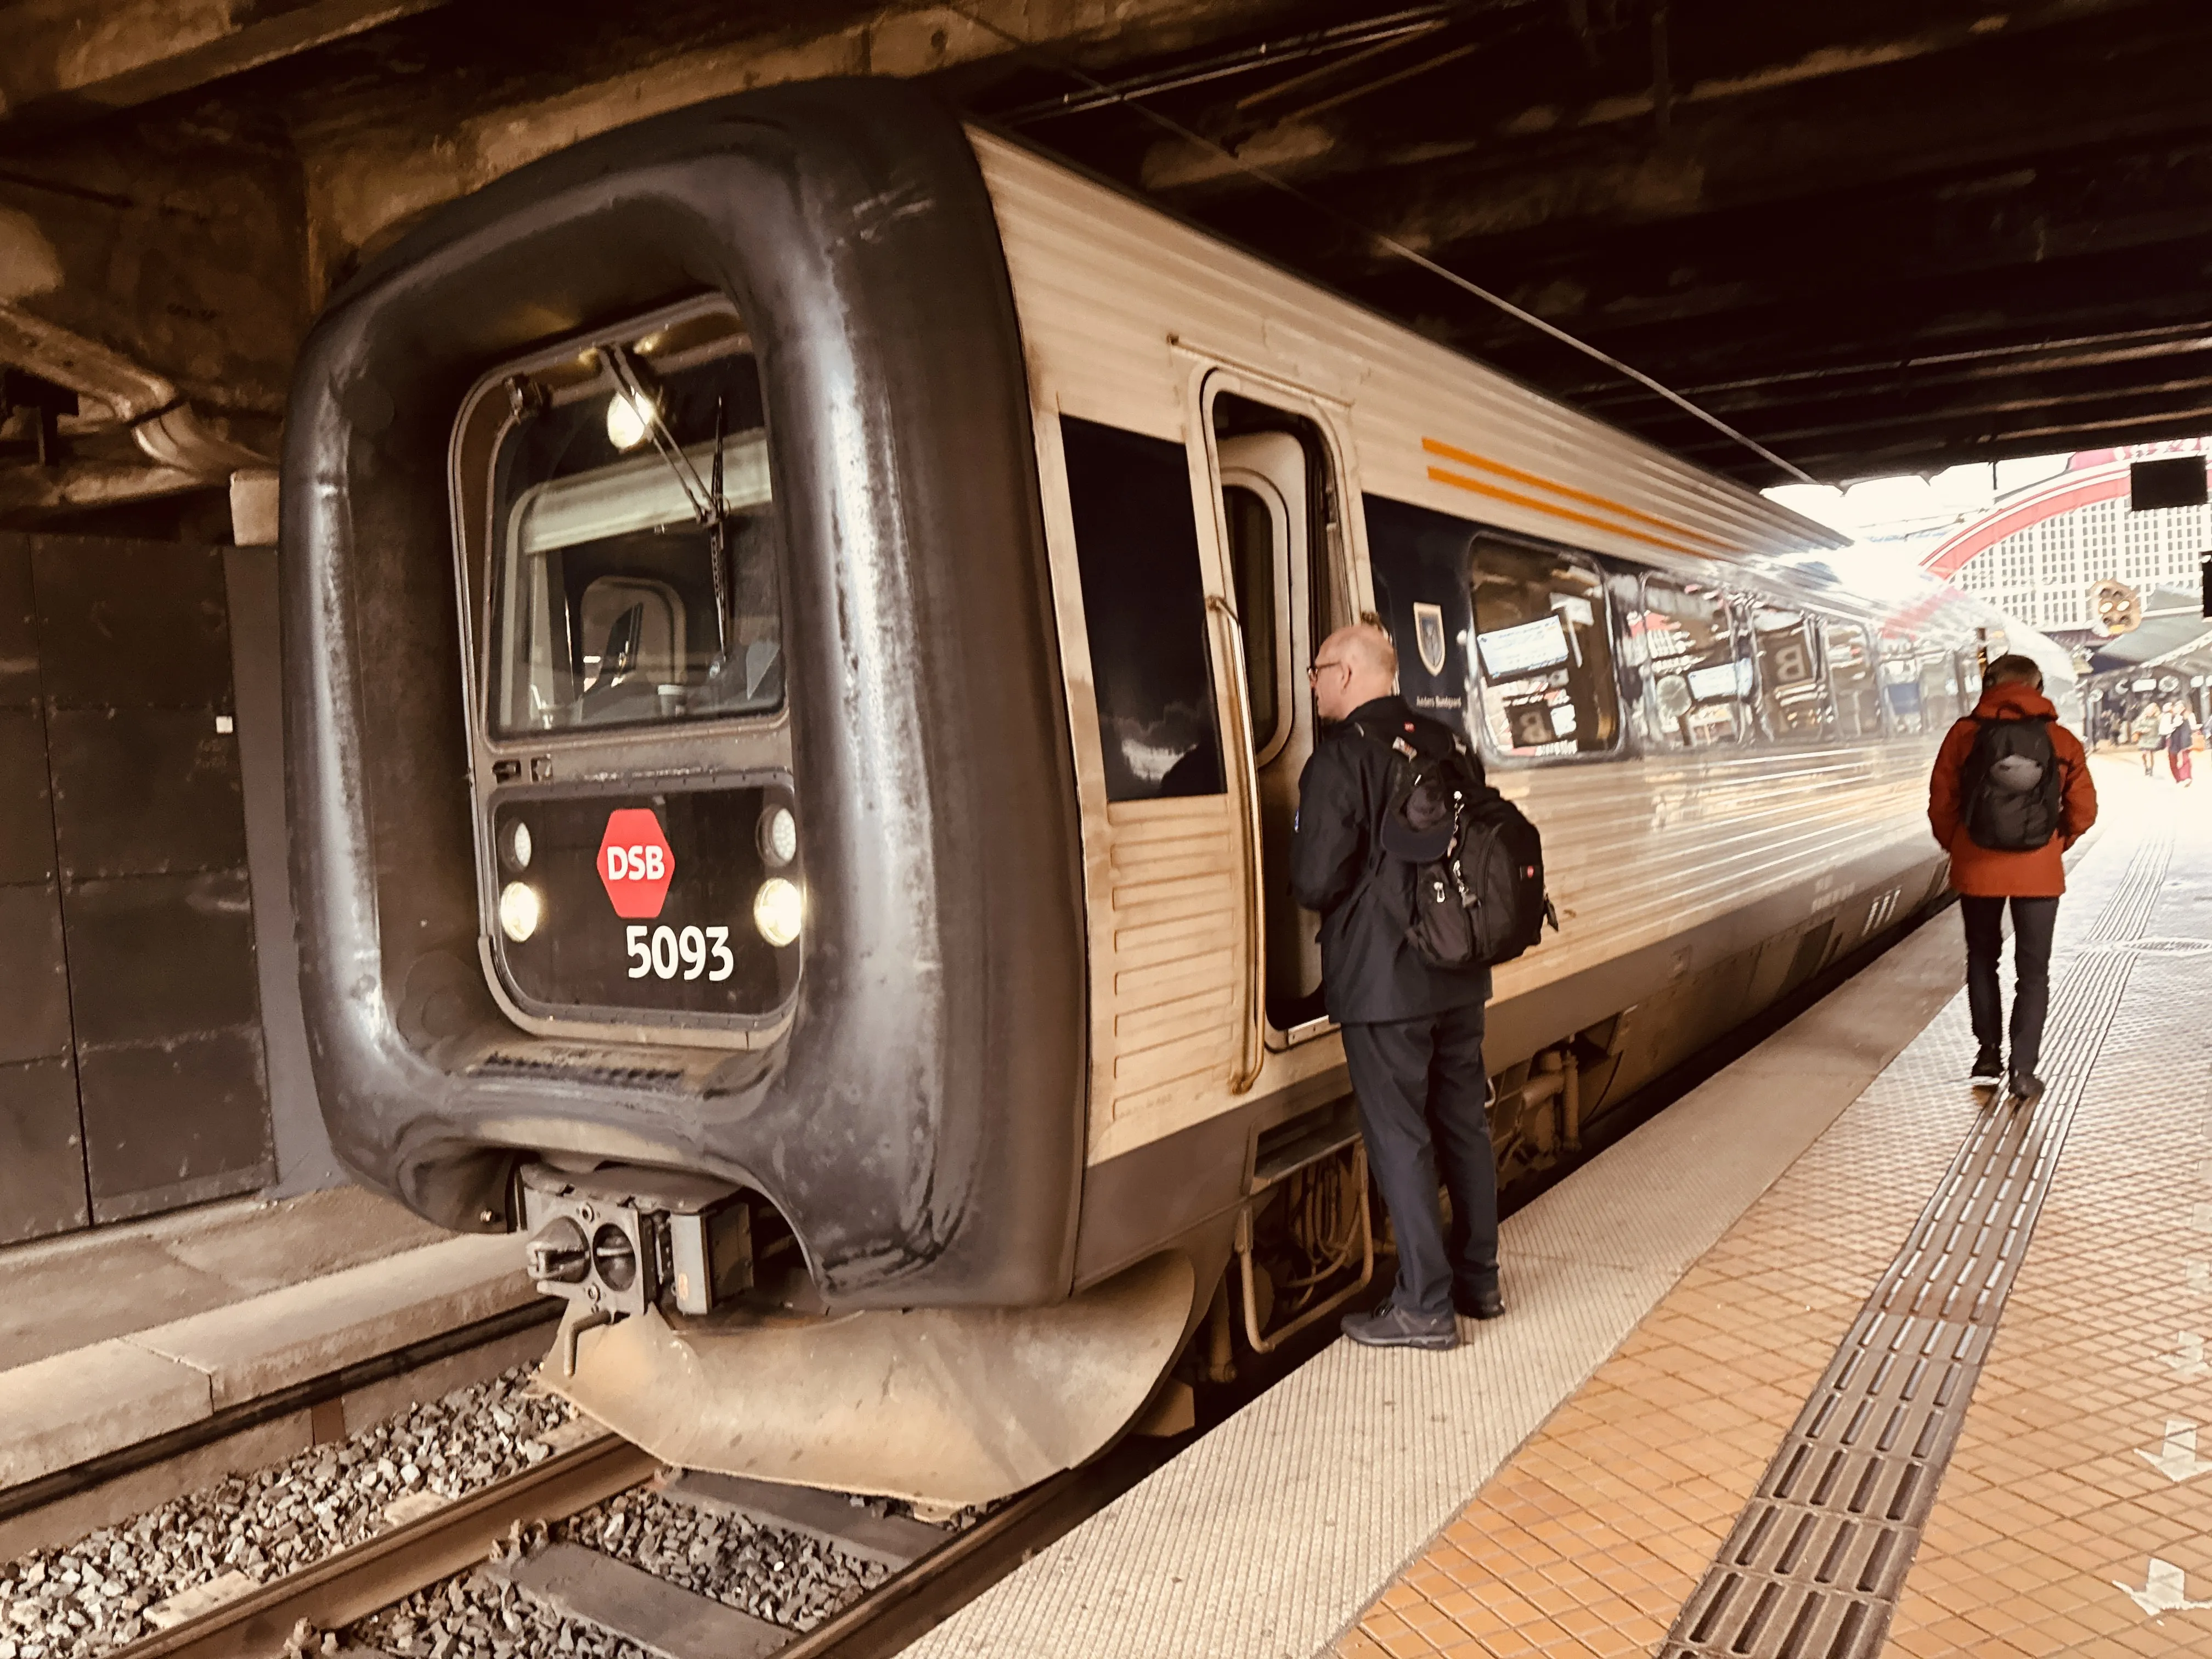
column 1871, row 235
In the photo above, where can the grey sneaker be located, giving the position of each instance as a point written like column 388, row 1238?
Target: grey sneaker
column 1390, row 1327
column 2026, row 1090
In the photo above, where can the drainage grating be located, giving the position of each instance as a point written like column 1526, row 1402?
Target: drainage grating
column 1814, row 1566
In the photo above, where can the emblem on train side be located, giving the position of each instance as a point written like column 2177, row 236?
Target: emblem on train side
column 1429, row 635
column 635, row 863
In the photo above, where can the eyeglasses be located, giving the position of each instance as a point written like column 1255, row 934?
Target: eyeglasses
column 1314, row 671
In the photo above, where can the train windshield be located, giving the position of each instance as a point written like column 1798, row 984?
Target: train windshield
column 634, row 536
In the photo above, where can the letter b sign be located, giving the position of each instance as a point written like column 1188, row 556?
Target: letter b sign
column 635, row 864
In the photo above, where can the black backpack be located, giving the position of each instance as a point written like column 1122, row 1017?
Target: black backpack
column 1478, row 887
column 2009, row 785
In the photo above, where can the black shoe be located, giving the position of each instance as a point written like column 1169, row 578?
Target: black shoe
column 2027, row 1089
column 1390, row 1327
column 1483, row 1303
column 1989, row 1069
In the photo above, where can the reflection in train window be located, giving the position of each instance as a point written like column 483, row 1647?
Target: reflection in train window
column 635, row 577
column 1696, row 685
column 1970, row 682
column 1544, row 655
column 1901, row 689
column 1144, row 607
column 1851, row 679
column 1938, row 688
column 1793, row 698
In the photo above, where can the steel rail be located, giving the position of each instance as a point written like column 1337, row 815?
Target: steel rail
column 353, row 1582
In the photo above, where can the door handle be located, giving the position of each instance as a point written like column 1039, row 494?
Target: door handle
column 1252, row 1053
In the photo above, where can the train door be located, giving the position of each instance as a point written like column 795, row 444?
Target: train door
column 1288, row 580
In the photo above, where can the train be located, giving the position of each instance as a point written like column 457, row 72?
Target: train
column 794, row 621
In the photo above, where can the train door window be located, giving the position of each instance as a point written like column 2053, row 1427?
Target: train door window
column 1544, row 653
column 627, row 587
column 1697, row 685
column 1144, row 606
column 1257, row 521
column 1852, row 681
column 1793, row 696
column 1287, row 579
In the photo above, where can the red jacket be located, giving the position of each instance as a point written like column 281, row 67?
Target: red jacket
column 1979, row 871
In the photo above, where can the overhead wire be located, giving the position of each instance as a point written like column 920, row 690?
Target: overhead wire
column 1389, row 244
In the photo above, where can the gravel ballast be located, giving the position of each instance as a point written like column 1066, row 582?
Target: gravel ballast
column 81, row 1600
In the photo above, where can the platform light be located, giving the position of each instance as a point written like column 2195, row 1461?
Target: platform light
column 520, row 910
column 777, row 908
column 515, row 845
column 629, row 419
column 779, row 837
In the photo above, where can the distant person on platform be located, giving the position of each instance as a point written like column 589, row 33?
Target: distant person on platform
column 2181, row 742
column 2010, row 793
column 1413, row 1033
column 2150, row 737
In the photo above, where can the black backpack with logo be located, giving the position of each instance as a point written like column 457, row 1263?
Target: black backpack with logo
column 2009, row 785
column 1478, row 887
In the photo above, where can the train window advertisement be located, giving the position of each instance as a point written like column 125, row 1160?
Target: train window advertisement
column 1419, row 560
column 1696, row 686
column 636, row 543
column 1144, row 607
column 1544, row 654
column 1852, row 681
column 1793, row 694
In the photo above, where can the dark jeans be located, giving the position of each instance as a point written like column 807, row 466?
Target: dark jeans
column 1422, row 1093
column 2033, row 920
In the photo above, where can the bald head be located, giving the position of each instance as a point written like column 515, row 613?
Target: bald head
column 1355, row 665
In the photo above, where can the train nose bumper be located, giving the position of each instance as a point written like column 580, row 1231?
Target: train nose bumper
column 950, row 1406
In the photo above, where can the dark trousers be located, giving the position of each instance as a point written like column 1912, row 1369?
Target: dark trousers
column 2033, row 920
column 1422, row 1093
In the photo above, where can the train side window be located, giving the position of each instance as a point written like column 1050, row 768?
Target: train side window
column 1544, row 653
column 1852, row 681
column 1143, row 606
column 1793, row 697
column 1697, row 686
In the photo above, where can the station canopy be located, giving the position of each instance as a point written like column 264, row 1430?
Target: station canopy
column 1871, row 236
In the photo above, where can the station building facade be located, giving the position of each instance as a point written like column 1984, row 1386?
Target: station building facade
column 2039, row 552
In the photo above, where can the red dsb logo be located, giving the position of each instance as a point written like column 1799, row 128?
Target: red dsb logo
column 635, row 864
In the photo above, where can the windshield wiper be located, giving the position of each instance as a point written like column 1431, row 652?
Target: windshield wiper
column 709, row 504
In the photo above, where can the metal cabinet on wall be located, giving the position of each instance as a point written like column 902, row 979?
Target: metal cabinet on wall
column 132, row 1078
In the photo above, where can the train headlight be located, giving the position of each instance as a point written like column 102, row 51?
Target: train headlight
column 629, row 419
column 779, row 837
column 777, row 911
column 514, row 845
column 519, row 911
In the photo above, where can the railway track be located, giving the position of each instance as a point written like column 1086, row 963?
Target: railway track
column 937, row 1570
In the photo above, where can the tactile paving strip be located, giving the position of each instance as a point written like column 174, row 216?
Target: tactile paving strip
column 1815, row 1563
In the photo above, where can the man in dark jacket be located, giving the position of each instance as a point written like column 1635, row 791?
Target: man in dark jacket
column 1413, row 1033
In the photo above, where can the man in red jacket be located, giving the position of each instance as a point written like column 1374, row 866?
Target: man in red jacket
column 1986, row 876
